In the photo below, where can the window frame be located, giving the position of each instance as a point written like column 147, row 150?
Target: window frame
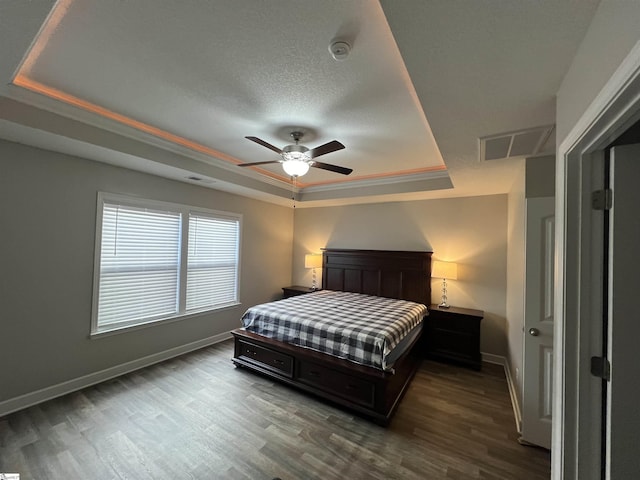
column 184, row 211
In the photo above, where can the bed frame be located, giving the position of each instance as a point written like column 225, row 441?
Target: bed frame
column 368, row 391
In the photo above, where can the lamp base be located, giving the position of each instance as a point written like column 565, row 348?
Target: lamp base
column 443, row 303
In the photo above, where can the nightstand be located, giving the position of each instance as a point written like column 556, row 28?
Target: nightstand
column 453, row 334
column 296, row 290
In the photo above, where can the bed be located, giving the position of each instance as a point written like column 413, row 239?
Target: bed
column 372, row 390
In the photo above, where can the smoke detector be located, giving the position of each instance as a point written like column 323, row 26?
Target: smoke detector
column 339, row 49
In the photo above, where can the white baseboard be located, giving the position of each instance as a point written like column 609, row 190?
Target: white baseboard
column 48, row 393
column 491, row 358
column 500, row 360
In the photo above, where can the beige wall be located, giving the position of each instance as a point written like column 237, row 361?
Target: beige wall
column 471, row 231
column 47, row 218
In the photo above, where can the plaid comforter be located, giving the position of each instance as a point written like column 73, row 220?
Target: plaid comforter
column 360, row 328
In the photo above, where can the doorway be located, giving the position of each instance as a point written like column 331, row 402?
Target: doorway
column 580, row 296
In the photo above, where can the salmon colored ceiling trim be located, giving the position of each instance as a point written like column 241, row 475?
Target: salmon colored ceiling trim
column 24, row 82
column 411, row 89
column 21, row 80
column 37, row 48
column 49, row 26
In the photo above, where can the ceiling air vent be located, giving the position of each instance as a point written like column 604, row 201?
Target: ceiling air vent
column 522, row 143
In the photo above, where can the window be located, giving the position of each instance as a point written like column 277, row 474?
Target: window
column 157, row 261
column 212, row 263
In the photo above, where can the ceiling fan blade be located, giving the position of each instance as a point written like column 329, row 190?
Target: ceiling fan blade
column 257, row 163
column 265, row 144
column 326, row 148
column 332, row 168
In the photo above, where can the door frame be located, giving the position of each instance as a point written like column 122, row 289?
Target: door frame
column 576, row 410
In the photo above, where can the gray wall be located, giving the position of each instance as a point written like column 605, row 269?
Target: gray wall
column 515, row 278
column 47, row 217
column 611, row 36
column 540, row 176
column 471, row 231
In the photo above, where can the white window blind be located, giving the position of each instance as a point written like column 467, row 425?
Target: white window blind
column 212, row 264
column 139, row 265
column 156, row 261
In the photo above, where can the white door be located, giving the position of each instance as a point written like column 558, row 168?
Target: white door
column 623, row 410
column 538, row 322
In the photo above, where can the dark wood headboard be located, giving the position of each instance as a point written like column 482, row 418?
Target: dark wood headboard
column 385, row 273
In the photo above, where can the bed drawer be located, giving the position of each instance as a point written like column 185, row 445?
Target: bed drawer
column 351, row 388
column 266, row 358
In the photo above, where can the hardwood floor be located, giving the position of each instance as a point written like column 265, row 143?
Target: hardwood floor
column 198, row 417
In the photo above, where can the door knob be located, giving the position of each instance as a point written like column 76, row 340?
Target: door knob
column 534, row 332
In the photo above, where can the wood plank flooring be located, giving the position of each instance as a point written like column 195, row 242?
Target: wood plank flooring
column 199, row 417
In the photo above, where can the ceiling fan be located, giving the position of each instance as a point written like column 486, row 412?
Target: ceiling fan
column 296, row 159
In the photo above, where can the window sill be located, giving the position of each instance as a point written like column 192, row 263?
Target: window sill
column 106, row 332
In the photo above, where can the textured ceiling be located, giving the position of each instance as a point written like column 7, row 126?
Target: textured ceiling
column 129, row 82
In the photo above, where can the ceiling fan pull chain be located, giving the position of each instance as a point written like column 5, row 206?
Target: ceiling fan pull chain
column 294, row 178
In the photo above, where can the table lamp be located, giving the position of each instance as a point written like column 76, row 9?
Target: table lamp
column 313, row 260
column 445, row 271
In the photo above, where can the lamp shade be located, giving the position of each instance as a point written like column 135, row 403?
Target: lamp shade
column 448, row 270
column 312, row 260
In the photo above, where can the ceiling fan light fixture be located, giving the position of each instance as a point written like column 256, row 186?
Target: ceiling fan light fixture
column 296, row 159
column 296, row 152
column 295, row 167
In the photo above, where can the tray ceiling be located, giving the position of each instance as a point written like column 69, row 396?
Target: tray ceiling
column 173, row 88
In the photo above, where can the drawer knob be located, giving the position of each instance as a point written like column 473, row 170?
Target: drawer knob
column 278, row 362
column 534, row 332
column 252, row 352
